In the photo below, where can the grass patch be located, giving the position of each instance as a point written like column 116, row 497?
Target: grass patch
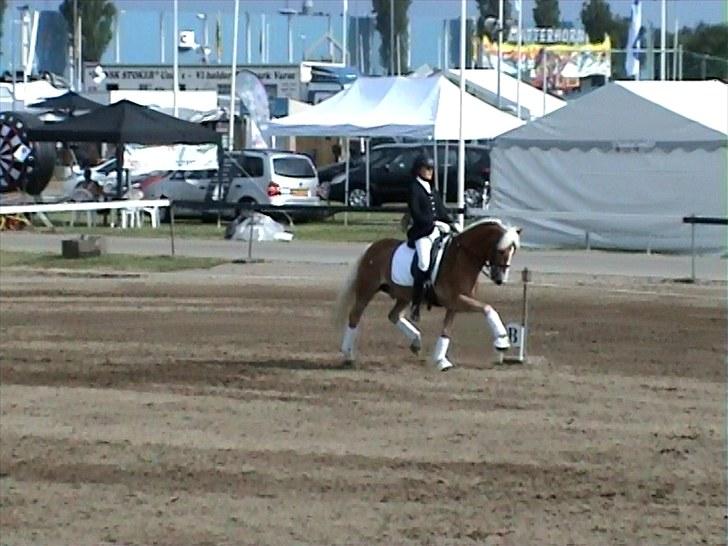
column 358, row 227
column 108, row 262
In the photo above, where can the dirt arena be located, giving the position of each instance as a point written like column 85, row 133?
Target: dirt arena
column 169, row 410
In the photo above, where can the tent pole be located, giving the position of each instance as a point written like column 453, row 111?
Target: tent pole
column 119, row 168
column 231, row 123
column 175, row 59
column 461, row 142
column 346, row 184
column 366, row 162
column 434, row 158
column 444, row 169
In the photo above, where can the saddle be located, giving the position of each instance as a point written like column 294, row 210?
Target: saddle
column 404, row 264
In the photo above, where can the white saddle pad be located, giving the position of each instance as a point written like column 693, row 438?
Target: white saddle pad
column 401, row 264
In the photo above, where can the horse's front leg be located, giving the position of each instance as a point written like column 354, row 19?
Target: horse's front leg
column 405, row 326
column 500, row 335
column 439, row 355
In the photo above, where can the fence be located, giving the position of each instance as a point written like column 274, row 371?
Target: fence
column 696, row 220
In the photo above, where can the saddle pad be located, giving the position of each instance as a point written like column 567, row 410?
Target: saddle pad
column 401, row 265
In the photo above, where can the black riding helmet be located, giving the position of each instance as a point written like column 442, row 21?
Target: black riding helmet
column 422, row 160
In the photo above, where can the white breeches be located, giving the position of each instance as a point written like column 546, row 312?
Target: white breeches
column 423, row 245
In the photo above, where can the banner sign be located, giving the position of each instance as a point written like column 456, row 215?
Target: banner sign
column 179, row 157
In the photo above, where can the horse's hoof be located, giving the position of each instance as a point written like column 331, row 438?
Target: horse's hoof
column 415, row 347
column 501, row 343
column 348, row 364
column 443, row 365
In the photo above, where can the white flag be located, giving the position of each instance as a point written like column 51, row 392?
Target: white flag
column 634, row 41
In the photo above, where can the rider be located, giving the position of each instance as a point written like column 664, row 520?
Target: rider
column 429, row 216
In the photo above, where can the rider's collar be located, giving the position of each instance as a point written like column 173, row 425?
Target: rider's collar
column 425, row 184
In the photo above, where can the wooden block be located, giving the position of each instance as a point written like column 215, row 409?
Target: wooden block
column 83, row 247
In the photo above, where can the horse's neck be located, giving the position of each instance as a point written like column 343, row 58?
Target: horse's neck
column 479, row 242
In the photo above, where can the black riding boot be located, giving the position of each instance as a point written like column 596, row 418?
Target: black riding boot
column 417, row 290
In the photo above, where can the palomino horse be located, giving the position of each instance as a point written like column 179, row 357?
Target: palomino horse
column 484, row 244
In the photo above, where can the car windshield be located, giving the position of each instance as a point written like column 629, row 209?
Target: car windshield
column 295, row 167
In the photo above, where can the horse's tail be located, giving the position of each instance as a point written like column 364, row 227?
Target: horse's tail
column 347, row 294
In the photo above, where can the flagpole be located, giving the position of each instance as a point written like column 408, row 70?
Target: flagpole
column 520, row 62
column 231, row 122
column 461, row 142
column 175, row 57
column 500, row 47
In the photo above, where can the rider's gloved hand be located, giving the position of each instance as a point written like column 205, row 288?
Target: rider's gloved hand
column 442, row 227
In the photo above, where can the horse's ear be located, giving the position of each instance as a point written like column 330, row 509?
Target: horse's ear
column 519, row 230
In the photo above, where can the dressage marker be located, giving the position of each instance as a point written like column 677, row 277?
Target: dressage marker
column 518, row 332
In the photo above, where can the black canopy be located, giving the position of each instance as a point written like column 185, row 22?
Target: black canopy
column 125, row 122
column 69, row 101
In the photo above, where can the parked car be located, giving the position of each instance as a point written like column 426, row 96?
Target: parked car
column 251, row 177
column 104, row 174
column 390, row 175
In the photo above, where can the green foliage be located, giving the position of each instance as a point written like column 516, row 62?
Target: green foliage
column 546, row 13
column 706, row 51
column 97, row 25
column 401, row 20
column 597, row 19
column 489, row 8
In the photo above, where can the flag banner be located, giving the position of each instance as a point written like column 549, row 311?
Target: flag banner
column 634, row 41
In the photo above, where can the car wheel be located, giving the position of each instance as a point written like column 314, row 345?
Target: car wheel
column 246, row 202
column 473, row 198
column 357, row 198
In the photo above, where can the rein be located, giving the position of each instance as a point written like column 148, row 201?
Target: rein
column 484, row 269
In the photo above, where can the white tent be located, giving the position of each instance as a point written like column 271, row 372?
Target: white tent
column 398, row 106
column 483, row 83
column 621, row 167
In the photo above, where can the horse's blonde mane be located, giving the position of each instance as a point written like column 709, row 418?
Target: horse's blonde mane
column 510, row 237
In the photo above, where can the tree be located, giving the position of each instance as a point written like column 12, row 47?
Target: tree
column 705, row 51
column 546, row 13
column 97, row 25
column 597, row 19
column 489, row 8
column 401, row 19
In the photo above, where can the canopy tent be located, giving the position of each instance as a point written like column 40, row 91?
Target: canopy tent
column 125, row 122
column 397, row 106
column 483, row 83
column 618, row 165
column 69, row 102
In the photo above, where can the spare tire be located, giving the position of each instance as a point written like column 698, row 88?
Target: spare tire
column 24, row 165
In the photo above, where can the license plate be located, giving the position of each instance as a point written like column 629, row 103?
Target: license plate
column 303, row 192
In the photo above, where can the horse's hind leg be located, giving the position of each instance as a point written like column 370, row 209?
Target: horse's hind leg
column 364, row 293
column 405, row 326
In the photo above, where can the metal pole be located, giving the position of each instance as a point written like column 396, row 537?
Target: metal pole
column 233, row 71
column 346, row 183
column 171, row 226
column 79, row 67
column 13, row 67
column 692, row 249
column 366, row 162
column 461, row 142
column 391, row 37
column 663, row 39
column 161, row 38
column 399, row 58
column 526, row 278
column 290, row 39
column 674, row 51
column 544, row 61
column 248, row 39
column 330, row 35
column 116, row 38
column 520, row 62
column 207, row 40
column 344, row 31
column 175, row 57
column 74, row 63
column 500, row 47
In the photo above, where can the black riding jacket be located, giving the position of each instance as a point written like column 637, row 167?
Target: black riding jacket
column 425, row 208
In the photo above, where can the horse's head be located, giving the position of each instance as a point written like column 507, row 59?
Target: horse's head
column 492, row 245
column 499, row 262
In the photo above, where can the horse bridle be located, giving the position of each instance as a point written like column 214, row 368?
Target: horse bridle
column 487, row 266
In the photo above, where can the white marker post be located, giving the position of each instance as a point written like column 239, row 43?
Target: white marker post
column 517, row 333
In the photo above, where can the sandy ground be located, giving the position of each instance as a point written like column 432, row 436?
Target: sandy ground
column 174, row 409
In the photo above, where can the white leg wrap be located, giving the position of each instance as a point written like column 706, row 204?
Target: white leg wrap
column 349, row 342
column 439, row 355
column 499, row 331
column 409, row 331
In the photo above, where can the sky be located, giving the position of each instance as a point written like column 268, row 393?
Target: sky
column 140, row 36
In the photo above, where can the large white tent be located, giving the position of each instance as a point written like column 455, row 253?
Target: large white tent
column 483, row 83
column 398, row 106
column 622, row 165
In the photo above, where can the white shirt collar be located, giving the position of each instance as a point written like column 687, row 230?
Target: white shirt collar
column 425, row 184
